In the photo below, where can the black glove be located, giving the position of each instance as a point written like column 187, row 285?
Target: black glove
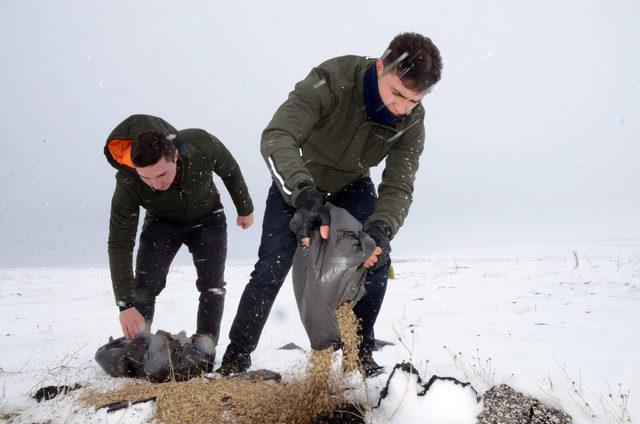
column 380, row 233
column 311, row 213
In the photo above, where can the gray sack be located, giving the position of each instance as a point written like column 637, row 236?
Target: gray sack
column 329, row 273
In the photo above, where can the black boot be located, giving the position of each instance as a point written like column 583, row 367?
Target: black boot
column 197, row 357
column 369, row 366
column 234, row 361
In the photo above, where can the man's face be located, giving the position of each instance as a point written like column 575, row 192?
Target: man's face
column 160, row 175
column 395, row 96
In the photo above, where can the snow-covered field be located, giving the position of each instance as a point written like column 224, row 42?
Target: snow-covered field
column 560, row 322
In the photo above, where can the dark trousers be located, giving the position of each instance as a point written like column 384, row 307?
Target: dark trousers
column 160, row 240
column 275, row 257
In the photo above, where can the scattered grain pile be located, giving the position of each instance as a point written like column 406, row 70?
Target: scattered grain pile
column 317, row 392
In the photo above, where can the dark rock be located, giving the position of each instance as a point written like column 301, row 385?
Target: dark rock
column 49, row 392
column 503, row 405
column 149, row 399
column 115, row 405
column 124, row 404
column 291, row 346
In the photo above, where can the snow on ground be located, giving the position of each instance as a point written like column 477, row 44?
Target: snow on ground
column 560, row 322
column 439, row 401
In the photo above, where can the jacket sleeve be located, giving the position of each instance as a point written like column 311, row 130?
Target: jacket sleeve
column 226, row 167
column 290, row 126
column 395, row 192
column 123, row 225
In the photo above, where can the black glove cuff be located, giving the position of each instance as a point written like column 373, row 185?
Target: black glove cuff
column 380, row 228
column 307, row 194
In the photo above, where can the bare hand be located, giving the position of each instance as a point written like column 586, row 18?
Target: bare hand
column 324, row 233
column 132, row 323
column 244, row 222
column 371, row 260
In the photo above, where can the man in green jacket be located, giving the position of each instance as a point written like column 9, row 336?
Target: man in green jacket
column 348, row 115
column 169, row 173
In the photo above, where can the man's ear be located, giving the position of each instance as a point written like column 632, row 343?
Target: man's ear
column 379, row 66
column 176, row 155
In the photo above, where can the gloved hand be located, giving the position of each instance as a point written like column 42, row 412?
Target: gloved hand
column 379, row 232
column 311, row 213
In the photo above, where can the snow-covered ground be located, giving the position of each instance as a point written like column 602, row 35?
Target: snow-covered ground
column 560, row 322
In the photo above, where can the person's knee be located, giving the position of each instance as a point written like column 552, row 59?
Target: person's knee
column 146, row 291
column 270, row 273
column 212, row 292
column 211, row 281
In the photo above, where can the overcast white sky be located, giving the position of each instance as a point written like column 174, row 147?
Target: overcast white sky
column 533, row 133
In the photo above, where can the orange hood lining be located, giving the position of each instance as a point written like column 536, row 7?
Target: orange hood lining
column 120, row 150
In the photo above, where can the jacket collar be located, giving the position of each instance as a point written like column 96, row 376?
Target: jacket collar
column 376, row 109
column 359, row 84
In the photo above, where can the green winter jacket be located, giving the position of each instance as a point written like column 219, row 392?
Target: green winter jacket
column 322, row 133
column 192, row 198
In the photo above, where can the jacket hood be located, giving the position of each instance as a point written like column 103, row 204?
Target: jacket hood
column 118, row 146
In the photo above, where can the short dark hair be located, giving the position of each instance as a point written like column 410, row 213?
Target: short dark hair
column 149, row 146
column 415, row 59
